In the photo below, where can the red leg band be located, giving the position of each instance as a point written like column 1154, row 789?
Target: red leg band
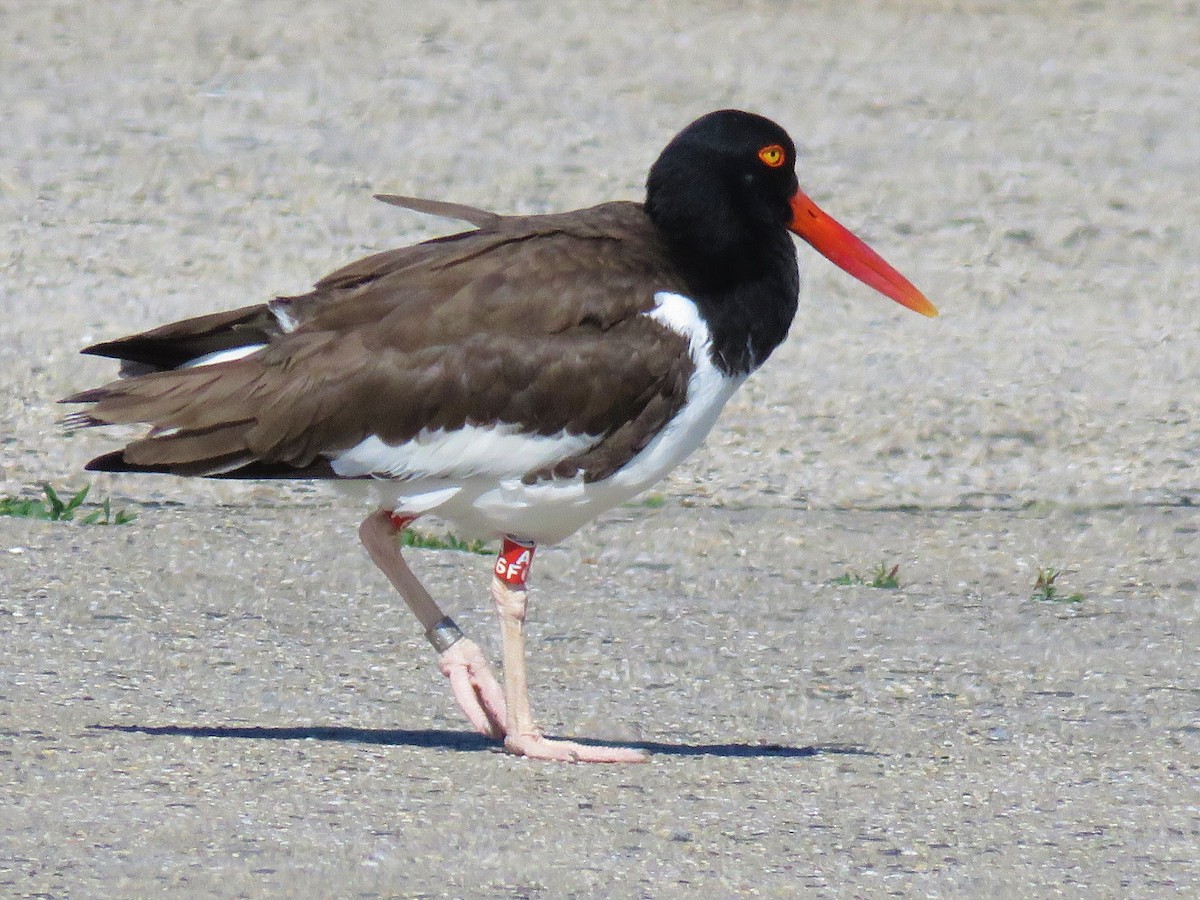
column 400, row 521
column 512, row 565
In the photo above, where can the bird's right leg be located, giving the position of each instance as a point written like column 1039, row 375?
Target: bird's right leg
column 460, row 659
column 523, row 737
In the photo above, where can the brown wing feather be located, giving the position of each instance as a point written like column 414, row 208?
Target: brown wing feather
column 534, row 321
column 481, row 218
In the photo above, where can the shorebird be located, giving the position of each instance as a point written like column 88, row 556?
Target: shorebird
column 516, row 379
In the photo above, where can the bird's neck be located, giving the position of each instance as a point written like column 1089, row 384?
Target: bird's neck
column 748, row 299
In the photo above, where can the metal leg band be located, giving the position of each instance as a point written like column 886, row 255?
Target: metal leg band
column 444, row 634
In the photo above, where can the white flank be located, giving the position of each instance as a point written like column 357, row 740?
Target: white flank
column 499, row 451
column 478, row 470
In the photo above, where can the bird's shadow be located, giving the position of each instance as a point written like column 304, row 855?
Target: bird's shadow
column 465, row 741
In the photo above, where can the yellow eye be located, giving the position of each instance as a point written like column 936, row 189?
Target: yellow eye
column 772, row 155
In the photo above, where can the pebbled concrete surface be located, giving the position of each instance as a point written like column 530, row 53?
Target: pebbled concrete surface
column 222, row 698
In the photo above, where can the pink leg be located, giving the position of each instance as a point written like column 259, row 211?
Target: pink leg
column 522, row 736
column 460, row 660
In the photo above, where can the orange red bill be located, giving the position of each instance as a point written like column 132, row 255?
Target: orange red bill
column 846, row 251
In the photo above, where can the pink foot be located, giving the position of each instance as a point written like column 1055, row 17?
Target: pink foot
column 475, row 687
column 535, row 746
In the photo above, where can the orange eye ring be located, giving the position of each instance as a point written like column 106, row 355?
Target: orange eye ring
column 772, row 155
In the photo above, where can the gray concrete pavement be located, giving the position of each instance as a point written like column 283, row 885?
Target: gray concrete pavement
column 222, row 698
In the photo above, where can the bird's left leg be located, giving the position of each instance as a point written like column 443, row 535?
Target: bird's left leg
column 475, row 687
column 523, row 737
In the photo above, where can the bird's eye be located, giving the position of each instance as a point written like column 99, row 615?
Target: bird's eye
column 772, row 155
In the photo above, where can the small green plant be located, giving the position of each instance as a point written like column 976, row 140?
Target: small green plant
column 1045, row 590
column 105, row 516
column 53, row 508
column 650, row 501
column 423, row 540
column 882, row 577
column 886, row 578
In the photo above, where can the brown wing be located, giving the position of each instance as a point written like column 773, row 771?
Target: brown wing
column 533, row 321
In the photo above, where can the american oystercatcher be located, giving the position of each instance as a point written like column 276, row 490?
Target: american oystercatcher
column 516, row 379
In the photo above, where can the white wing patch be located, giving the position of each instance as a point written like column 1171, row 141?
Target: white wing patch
column 287, row 323
column 220, row 356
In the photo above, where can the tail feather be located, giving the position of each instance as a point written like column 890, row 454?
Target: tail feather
column 222, row 420
column 232, row 467
column 199, row 420
column 225, row 442
column 185, row 399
